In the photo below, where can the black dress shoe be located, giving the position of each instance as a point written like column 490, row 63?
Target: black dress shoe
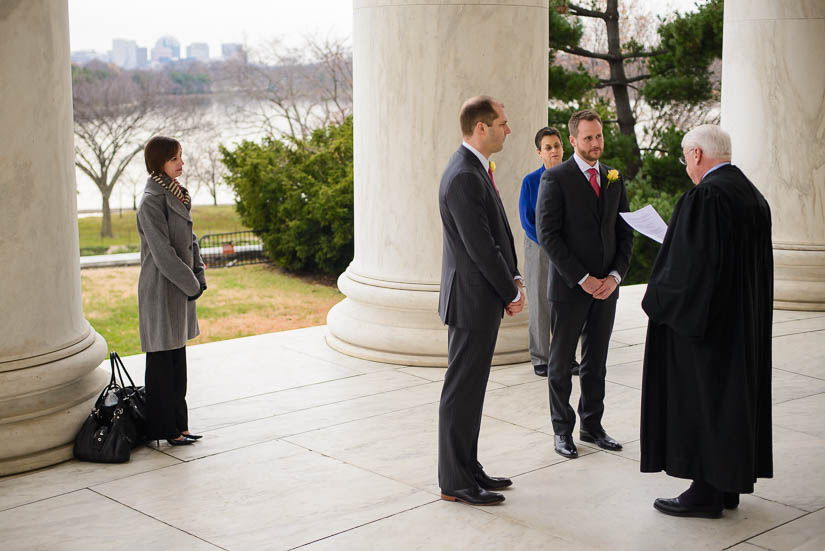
column 541, row 370
column 191, row 436
column 575, row 369
column 492, row 482
column 565, row 446
column 600, row 438
column 677, row 508
column 730, row 500
column 472, row 496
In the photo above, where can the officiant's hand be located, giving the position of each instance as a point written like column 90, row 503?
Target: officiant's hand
column 606, row 288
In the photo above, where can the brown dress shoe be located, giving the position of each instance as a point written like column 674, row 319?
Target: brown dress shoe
column 472, row 496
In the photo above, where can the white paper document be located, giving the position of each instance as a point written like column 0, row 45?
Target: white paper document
column 647, row 222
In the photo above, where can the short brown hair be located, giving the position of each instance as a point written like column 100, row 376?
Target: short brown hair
column 159, row 150
column 475, row 110
column 578, row 116
column 546, row 131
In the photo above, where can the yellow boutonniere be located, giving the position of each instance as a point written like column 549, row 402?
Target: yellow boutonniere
column 492, row 167
column 612, row 176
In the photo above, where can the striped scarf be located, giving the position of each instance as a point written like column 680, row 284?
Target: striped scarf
column 173, row 187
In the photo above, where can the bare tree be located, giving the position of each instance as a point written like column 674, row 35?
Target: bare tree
column 206, row 170
column 294, row 90
column 115, row 112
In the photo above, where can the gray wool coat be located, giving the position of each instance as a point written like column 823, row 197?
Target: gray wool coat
column 171, row 271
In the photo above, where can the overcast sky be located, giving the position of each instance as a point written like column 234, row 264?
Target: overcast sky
column 94, row 23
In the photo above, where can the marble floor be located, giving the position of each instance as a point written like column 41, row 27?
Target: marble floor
column 307, row 448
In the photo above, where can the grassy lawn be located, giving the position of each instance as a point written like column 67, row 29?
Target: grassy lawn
column 241, row 301
column 207, row 219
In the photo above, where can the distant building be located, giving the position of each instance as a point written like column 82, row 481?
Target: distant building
column 161, row 54
column 142, row 59
column 199, row 51
column 231, row 51
column 124, row 53
column 169, row 42
column 82, row 57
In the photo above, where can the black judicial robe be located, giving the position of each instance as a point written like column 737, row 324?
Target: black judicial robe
column 706, row 385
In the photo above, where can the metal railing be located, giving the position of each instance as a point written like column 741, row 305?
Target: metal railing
column 237, row 248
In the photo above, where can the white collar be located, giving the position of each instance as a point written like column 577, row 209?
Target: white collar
column 584, row 167
column 484, row 160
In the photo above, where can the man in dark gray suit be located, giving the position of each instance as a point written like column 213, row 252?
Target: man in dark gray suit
column 479, row 282
column 589, row 246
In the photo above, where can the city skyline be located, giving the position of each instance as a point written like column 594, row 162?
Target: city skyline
column 95, row 24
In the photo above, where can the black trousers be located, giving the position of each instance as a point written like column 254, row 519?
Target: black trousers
column 167, row 414
column 469, row 354
column 593, row 320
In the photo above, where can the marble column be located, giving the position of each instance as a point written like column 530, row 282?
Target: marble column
column 773, row 105
column 414, row 64
column 48, row 351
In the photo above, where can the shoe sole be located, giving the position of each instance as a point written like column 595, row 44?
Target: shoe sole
column 593, row 441
column 574, row 456
column 445, row 497
column 692, row 514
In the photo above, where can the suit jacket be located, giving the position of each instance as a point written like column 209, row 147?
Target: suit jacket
column 479, row 258
column 171, row 270
column 581, row 233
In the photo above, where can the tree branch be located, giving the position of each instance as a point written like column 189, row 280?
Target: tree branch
column 635, row 55
column 584, row 12
column 587, row 53
column 625, row 82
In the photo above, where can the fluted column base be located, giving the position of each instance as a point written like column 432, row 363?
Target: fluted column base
column 38, row 425
column 398, row 323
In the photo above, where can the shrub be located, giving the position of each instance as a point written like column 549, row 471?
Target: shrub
column 298, row 196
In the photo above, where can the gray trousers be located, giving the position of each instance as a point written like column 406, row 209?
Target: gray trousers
column 536, row 265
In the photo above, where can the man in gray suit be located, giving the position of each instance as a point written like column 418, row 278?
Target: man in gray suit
column 479, row 282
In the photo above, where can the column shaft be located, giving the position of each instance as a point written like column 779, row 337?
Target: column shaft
column 414, row 64
column 773, row 105
column 48, row 351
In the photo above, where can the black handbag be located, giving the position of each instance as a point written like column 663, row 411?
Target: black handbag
column 102, row 438
column 133, row 400
column 117, row 423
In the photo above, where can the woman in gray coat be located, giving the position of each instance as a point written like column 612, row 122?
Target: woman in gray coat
column 171, row 279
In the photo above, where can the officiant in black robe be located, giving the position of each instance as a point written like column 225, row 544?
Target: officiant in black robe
column 706, row 388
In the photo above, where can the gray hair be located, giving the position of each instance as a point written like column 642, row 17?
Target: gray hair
column 711, row 139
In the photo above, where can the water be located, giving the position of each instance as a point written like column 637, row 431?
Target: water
column 226, row 128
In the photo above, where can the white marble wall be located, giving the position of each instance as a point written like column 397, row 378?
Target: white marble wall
column 48, row 351
column 773, row 105
column 414, row 64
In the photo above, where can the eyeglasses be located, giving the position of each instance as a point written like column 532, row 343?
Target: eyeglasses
column 682, row 156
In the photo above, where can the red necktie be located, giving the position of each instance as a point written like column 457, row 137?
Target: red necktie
column 490, row 172
column 593, row 183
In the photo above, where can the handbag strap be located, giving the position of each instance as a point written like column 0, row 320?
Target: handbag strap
column 117, row 364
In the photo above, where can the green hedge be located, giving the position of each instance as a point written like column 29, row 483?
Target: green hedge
column 298, row 195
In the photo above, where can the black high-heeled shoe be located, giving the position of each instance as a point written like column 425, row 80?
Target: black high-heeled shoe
column 191, row 436
column 179, row 440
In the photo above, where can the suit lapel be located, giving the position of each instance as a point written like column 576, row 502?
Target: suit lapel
column 604, row 197
column 581, row 180
column 479, row 168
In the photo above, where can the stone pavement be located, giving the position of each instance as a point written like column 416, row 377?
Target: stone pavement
column 305, row 447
